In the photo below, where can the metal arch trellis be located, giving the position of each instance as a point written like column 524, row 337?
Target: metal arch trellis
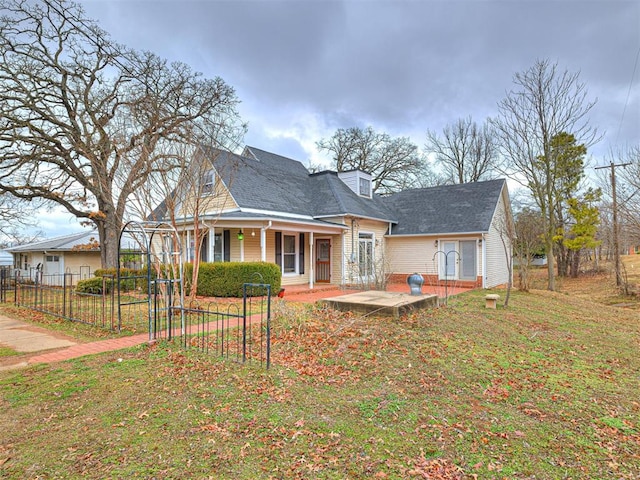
column 446, row 270
column 155, row 247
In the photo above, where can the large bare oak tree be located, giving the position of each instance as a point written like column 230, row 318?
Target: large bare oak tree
column 394, row 163
column 85, row 122
column 466, row 151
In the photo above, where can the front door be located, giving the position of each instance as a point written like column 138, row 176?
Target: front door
column 323, row 260
column 365, row 257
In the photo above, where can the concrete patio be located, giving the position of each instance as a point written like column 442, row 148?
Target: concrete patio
column 381, row 303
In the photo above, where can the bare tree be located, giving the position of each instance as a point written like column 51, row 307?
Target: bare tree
column 466, row 152
column 84, row 119
column 193, row 195
column 545, row 103
column 528, row 244
column 507, row 233
column 17, row 218
column 394, row 163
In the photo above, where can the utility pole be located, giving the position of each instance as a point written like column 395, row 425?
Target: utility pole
column 616, row 246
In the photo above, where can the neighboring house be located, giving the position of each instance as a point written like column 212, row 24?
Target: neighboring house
column 78, row 254
column 6, row 259
column 329, row 227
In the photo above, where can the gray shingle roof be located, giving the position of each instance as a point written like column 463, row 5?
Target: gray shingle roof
column 461, row 208
column 274, row 183
column 266, row 182
column 331, row 196
column 58, row 244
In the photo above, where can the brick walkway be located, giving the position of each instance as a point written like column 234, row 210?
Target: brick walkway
column 91, row 348
column 293, row 294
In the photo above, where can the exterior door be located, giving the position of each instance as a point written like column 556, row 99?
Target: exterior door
column 323, row 260
column 468, row 263
column 365, row 257
column 449, row 260
column 52, row 266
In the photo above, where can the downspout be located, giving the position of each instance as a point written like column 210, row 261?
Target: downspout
column 263, row 241
column 343, row 270
column 353, row 252
column 311, row 262
column 484, row 261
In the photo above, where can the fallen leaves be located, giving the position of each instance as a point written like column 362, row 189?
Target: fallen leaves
column 435, row 469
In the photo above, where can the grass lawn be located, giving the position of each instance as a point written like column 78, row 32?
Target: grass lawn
column 546, row 389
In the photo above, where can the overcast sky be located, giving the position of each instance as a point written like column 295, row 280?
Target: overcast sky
column 303, row 69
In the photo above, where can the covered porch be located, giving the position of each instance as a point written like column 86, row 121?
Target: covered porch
column 309, row 252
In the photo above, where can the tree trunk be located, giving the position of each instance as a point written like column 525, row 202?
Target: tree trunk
column 109, row 233
column 551, row 281
column 563, row 258
column 575, row 263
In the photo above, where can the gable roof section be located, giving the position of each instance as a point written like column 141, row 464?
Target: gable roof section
column 463, row 208
column 265, row 184
column 59, row 244
column 268, row 182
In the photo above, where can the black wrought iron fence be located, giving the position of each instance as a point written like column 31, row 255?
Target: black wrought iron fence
column 7, row 285
column 56, row 295
column 240, row 330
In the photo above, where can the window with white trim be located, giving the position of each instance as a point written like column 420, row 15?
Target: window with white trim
column 209, row 183
column 364, row 187
column 289, row 253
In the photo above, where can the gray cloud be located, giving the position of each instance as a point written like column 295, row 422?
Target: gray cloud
column 402, row 66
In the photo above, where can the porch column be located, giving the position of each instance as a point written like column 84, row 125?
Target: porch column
column 311, row 261
column 211, row 235
column 263, row 244
column 241, row 250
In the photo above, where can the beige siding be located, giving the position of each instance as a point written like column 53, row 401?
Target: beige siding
column 350, row 256
column 234, row 248
column 337, row 258
column 420, row 254
column 252, row 252
column 85, row 263
column 208, row 204
column 412, row 255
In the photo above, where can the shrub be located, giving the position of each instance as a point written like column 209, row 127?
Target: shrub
column 226, row 279
column 94, row 285
column 215, row 279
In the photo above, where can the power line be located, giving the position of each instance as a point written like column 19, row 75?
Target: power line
column 624, row 110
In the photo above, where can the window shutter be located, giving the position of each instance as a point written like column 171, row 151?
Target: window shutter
column 279, row 249
column 226, row 243
column 301, row 253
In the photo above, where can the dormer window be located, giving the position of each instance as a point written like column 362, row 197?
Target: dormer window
column 364, row 187
column 209, row 183
column 358, row 181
